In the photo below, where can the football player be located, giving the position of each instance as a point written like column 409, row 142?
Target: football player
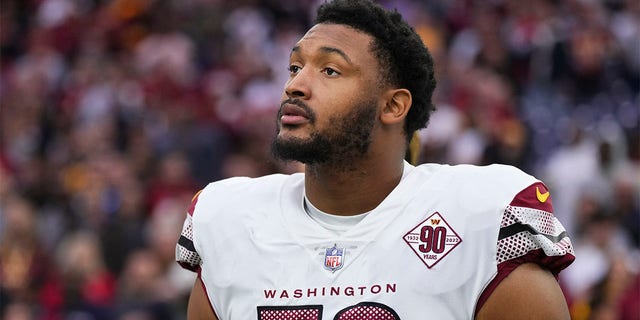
column 362, row 233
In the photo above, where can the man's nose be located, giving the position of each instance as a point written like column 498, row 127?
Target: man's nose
column 299, row 85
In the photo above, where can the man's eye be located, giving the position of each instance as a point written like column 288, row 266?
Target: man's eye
column 294, row 69
column 331, row 72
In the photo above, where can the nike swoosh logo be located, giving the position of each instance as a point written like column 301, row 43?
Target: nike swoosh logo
column 542, row 197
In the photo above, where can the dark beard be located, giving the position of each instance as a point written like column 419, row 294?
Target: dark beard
column 348, row 139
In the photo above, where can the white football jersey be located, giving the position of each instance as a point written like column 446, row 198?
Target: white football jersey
column 435, row 248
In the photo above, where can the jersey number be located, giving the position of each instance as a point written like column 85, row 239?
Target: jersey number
column 360, row 311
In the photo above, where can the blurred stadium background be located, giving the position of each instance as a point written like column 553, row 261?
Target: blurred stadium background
column 114, row 113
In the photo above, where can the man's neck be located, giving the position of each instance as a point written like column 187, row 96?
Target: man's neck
column 351, row 190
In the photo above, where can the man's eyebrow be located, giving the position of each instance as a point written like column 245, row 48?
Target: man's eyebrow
column 336, row 51
column 327, row 50
column 293, row 50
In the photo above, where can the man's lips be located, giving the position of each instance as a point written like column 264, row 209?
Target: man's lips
column 292, row 114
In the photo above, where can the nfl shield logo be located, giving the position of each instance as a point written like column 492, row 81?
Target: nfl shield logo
column 334, row 258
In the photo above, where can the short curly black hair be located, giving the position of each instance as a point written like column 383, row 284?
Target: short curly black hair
column 398, row 48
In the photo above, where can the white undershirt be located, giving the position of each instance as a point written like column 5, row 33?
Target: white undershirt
column 332, row 222
column 335, row 223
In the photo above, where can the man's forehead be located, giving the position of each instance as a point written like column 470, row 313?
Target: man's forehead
column 335, row 35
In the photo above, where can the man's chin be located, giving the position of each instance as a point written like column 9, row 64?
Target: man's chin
column 297, row 149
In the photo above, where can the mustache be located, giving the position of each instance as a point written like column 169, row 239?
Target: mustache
column 299, row 103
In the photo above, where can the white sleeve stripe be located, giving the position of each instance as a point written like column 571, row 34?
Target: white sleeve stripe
column 542, row 221
column 185, row 250
column 525, row 229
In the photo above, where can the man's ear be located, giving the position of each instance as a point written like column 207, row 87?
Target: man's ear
column 397, row 105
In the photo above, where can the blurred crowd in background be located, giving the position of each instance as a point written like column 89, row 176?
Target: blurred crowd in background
column 114, row 113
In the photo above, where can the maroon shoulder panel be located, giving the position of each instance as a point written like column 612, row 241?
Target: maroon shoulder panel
column 535, row 196
column 194, row 200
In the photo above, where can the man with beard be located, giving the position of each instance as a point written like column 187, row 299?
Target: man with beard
column 363, row 234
